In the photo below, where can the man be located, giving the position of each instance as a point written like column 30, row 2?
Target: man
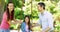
column 45, row 18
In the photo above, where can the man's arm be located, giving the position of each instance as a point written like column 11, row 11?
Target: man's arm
column 48, row 28
column 50, row 23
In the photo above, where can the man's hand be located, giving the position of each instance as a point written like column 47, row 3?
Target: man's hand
column 43, row 31
column 48, row 28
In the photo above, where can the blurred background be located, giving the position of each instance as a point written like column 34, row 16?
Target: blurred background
column 29, row 7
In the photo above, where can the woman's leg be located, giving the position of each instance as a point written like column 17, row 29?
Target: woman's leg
column 7, row 30
column 1, row 30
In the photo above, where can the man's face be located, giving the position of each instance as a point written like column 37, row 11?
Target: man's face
column 40, row 8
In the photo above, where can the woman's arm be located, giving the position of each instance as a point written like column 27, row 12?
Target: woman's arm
column 11, row 22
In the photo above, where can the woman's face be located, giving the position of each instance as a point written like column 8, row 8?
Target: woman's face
column 10, row 6
column 26, row 19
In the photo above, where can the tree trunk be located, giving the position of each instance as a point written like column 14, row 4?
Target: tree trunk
column 1, row 9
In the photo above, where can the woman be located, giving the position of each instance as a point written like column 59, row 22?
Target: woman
column 7, row 17
column 25, row 26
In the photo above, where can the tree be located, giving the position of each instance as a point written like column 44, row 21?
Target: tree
column 1, row 9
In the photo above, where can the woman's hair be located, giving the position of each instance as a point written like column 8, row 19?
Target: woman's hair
column 28, row 21
column 9, row 17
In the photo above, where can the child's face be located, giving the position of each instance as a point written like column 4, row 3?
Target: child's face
column 26, row 19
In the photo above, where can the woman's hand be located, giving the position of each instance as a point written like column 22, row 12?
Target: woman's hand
column 9, row 21
column 13, row 22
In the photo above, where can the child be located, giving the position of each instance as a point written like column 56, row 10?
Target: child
column 25, row 26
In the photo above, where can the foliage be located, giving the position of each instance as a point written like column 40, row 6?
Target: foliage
column 19, row 14
column 51, row 6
